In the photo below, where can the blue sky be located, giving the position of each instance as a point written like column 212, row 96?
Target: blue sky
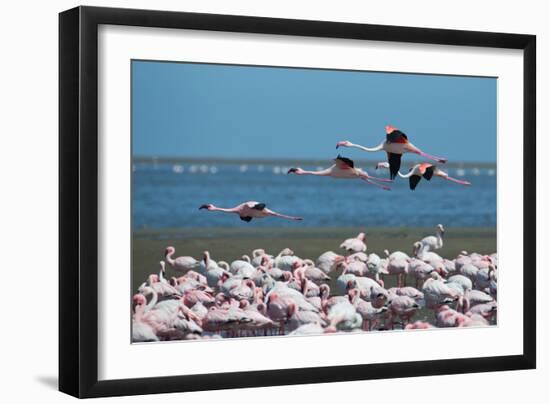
column 203, row 110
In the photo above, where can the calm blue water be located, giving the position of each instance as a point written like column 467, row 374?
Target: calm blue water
column 166, row 198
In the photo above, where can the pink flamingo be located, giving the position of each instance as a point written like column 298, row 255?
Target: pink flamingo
column 355, row 244
column 329, row 261
column 343, row 168
column 297, row 318
column 403, row 307
column 249, row 210
column 395, row 145
column 370, row 313
column 180, row 264
column 398, row 267
column 141, row 330
column 447, row 317
column 256, row 314
column 426, row 170
column 418, row 325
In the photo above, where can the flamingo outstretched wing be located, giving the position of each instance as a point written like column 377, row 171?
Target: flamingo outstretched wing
column 397, row 136
column 395, row 163
column 344, row 162
column 413, row 181
column 427, row 170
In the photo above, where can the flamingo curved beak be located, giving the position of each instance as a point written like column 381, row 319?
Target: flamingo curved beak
column 203, row 207
column 292, row 170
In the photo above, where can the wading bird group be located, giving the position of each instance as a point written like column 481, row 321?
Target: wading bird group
column 284, row 294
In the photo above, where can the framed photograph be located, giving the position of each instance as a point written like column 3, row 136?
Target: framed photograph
column 268, row 201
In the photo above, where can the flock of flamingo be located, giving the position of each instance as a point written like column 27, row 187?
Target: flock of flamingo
column 395, row 145
column 289, row 295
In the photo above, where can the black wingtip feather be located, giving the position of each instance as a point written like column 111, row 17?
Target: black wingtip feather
column 413, row 181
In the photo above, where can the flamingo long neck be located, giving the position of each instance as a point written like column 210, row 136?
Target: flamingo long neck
column 439, row 237
column 227, row 210
column 368, row 149
column 387, row 166
column 152, row 302
column 410, row 173
column 325, row 172
column 138, row 312
column 169, row 257
column 161, row 274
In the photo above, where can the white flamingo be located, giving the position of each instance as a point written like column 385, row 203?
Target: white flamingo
column 355, row 244
column 180, row 264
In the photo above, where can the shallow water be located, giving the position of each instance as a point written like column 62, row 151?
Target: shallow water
column 169, row 195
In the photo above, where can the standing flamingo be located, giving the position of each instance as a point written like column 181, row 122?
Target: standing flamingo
column 329, row 261
column 395, row 145
column 180, row 264
column 343, row 168
column 434, row 242
column 249, row 210
column 426, row 170
column 355, row 244
column 141, row 331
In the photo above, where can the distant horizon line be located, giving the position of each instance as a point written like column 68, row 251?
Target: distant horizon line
column 280, row 161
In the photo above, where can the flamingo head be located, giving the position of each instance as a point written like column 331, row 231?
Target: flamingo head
column 286, row 251
column 295, row 170
column 390, row 129
column 343, row 143
column 169, row 250
column 139, row 300
column 207, row 206
column 261, row 307
column 440, row 228
column 352, row 292
column 382, row 164
column 350, row 284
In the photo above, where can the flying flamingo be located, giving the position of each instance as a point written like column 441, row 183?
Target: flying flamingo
column 426, row 170
column 343, row 168
column 249, row 210
column 396, row 144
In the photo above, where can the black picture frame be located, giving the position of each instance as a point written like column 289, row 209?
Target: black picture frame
column 78, row 200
